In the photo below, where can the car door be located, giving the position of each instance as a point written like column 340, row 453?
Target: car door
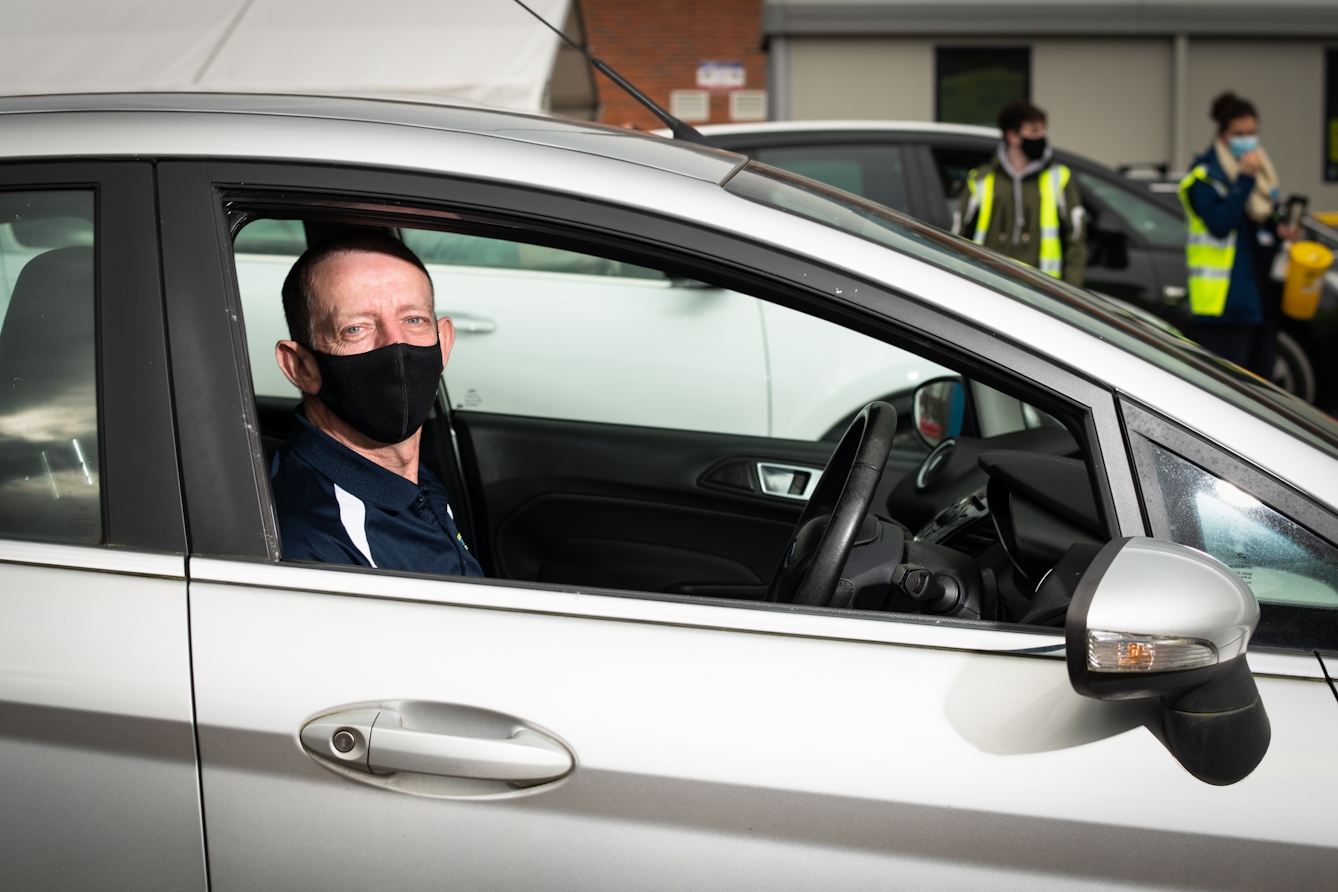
column 99, row 783
column 705, row 743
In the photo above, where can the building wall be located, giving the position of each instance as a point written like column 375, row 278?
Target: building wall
column 1109, row 99
column 861, row 79
column 656, row 44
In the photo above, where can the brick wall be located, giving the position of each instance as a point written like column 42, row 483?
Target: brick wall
column 656, row 44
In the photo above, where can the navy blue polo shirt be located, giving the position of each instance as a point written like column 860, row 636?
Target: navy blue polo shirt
column 337, row 507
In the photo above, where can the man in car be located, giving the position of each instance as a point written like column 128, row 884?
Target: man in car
column 1023, row 203
column 366, row 351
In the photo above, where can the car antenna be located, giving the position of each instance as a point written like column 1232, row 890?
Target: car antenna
column 681, row 130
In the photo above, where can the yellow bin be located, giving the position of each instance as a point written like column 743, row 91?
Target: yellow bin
column 1305, row 279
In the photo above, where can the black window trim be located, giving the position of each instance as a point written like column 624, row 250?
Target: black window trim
column 138, row 467
column 379, row 196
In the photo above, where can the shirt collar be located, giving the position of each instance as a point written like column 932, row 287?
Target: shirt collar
column 358, row 475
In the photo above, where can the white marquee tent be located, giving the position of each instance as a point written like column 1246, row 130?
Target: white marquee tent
column 483, row 51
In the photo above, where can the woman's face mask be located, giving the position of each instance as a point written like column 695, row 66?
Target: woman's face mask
column 1239, row 145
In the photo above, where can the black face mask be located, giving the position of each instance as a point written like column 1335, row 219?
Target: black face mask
column 1034, row 149
column 384, row 393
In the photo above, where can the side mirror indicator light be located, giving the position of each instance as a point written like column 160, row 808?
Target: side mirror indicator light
column 1124, row 652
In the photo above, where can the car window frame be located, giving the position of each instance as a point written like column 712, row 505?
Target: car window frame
column 138, row 463
column 1146, row 427
column 223, row 191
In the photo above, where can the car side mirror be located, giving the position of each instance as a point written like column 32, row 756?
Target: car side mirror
column 1150, row 618
column 938, row 410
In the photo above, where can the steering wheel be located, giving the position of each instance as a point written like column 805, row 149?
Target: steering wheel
column 826, row 531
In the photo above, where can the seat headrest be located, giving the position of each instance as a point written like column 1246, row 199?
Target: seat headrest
column 48, row 340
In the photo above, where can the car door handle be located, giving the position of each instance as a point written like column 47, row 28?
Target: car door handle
column 787, row 481
column 376, row 741
column 468, row 323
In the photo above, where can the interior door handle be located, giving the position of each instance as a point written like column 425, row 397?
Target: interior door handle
column 468, row 323
column 787, row 481
column 376, row 741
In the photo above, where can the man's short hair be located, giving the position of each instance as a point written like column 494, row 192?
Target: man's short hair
column 1018, row 112
column 297, row 288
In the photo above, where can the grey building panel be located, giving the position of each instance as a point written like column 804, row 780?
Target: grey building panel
column 993, row 19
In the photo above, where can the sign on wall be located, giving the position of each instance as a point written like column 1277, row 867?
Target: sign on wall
column 712, row 75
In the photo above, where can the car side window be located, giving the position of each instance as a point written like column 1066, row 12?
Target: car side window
column 1160, row 227
column 549, row 333
column 1281, row 561
column 954, row 166
column 875, row 172
column 49, row 482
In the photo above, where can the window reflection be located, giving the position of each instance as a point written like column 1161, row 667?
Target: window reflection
column 1282, row 562
column 49, row 482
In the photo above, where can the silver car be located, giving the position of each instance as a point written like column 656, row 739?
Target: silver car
column 989, row 630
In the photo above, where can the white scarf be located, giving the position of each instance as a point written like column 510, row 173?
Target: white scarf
column 1260, row 203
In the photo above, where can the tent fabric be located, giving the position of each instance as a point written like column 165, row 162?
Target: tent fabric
column 484, row 51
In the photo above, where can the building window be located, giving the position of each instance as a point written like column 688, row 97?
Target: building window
column 690, row 105
column 1331, row 117
column 973, row 83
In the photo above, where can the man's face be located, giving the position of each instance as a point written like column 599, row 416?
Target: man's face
column 362, row 301
column 1029, row 130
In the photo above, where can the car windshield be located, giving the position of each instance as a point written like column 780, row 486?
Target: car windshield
column 1083, row 309
column 1159, row 226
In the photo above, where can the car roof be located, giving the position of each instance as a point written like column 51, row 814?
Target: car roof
column 686, row 159
column 833, row 126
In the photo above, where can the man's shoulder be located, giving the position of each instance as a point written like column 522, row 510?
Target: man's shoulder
column 310, row 525
column 297, row 479
column 985, row 168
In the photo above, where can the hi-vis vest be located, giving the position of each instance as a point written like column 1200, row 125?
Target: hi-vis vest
column 1052, row 181
column 1209, row 258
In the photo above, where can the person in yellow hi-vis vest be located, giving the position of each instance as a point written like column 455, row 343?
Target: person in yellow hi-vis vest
column 1023, row 203
column 1231, row 208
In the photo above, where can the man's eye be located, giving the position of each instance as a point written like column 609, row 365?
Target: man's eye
column 353, row 329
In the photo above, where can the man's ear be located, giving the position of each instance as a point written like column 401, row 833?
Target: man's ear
column 298, row 366
column 446, row 335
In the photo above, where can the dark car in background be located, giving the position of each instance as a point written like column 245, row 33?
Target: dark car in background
column 1136, row 232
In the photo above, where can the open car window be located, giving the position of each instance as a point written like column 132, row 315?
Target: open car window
column 606, row 423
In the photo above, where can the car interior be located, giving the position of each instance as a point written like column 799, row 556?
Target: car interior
column 613, row 460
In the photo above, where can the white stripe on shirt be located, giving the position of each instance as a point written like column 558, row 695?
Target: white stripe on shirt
column 353, row 514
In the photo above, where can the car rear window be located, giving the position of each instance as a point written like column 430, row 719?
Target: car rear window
column 1084, row 309
column 875, row 172
column 50, row 486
